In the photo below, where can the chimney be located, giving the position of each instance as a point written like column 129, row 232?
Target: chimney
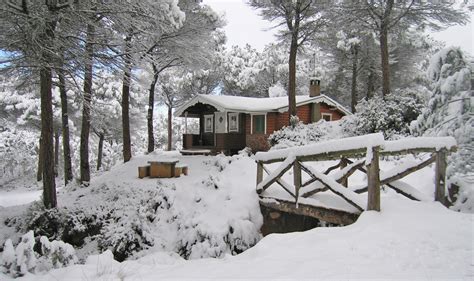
column 314, row 87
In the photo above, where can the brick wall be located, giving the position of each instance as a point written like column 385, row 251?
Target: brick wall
column 257, row 142
column 276, row 121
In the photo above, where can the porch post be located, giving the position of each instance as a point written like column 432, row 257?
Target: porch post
column 186, row 122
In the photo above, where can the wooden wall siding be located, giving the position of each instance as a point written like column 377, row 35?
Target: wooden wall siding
column 207, row 139
column 247, row 124
column 187, row 141
column 303, row 112
column 336, row 115
column 229, row 142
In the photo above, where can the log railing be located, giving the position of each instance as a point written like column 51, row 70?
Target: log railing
column 367, row 151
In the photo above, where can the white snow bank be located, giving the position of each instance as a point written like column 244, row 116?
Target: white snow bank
column 407, row 240
column 210, row 212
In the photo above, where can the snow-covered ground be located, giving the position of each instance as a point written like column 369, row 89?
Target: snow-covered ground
column 406, row 240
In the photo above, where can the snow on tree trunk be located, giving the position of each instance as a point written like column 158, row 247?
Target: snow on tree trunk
column 39, row 172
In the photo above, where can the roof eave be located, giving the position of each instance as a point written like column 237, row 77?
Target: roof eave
column 318, row 99
column 197, row 99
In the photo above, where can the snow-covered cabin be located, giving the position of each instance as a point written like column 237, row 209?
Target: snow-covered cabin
column 230, row 123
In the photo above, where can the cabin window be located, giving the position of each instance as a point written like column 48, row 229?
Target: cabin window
column 233, row 122
column 259, row 124
column 326, row 116
column 208, row 123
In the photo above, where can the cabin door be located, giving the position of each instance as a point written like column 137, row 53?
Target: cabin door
column 221, row 122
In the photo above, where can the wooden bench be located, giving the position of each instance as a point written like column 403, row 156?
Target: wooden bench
column 143, row 171
column 181, row 169
column 163, row 169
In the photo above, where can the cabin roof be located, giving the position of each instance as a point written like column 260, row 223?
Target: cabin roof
column 255, row 105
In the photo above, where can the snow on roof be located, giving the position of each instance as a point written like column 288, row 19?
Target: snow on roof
column 255, row 105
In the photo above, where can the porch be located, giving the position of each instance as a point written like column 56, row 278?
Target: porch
column 227, row 143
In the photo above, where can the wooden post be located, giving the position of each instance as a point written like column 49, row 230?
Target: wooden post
column 259, row 172
column 186, row 122
column 373, row 182
column 297, row 179
column 345, row 180
column 440, row 177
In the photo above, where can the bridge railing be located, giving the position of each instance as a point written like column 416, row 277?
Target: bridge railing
column 367, row 151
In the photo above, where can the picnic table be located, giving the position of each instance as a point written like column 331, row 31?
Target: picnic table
column 164, row 168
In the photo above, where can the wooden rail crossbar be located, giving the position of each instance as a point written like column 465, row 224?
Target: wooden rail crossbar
column 368, row 149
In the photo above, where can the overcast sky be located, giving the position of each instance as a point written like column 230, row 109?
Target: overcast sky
column 244, row 25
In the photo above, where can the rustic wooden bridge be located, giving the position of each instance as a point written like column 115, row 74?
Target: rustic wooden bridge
column 325, row 195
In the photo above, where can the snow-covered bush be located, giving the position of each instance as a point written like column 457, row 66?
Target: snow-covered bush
column 127, row 231
column 449, row 113
column 45, row 222
column 112, row 154
column 56, row 254
column 220, row 161
column 303, row 134
column 22, row 259
column 8, row 261
column 18, row 150
column 391, row 115
column 277, row 90
column 25, row 255
column 212, row 220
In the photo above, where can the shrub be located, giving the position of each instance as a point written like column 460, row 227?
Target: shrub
column 391, row 116
column 22, row 259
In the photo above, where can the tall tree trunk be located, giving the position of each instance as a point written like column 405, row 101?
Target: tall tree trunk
column 170, row 127
column 127, row 144
column 86, row 106
column 292, row 78
column 151, row 106
column 383, row 37
column 65, row 128
column 385, row 61
column 56, row 152
column 99, row 153
column 47, row 144
column 370, row 83
column 39, row 173
column 355, row 51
